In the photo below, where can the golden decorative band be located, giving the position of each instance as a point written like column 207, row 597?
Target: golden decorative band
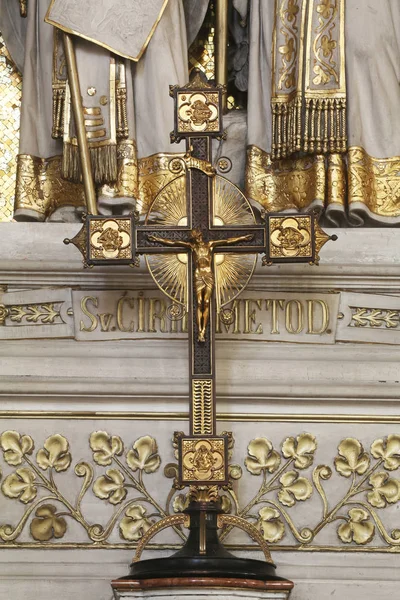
column 170, row 521
column 203, row 406
column 41, row 188
column 284, row 184
column 308, row 106
column 355, row 179
column 374, row 182
column 256, row 536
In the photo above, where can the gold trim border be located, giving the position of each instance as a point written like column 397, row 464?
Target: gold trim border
column 233, row 547
column 85, row 37
column 183, row 416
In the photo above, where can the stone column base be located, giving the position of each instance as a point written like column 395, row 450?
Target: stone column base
column 186, row 588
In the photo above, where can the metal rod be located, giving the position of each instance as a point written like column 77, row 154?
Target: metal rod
column 77, row 107
column 221, row 44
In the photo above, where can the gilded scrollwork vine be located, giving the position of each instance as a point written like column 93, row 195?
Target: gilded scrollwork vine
column 348, row 495
column 51, row 509
column 371, row 487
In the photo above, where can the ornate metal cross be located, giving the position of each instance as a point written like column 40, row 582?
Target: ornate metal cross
column 198, row 120
column 201, row 239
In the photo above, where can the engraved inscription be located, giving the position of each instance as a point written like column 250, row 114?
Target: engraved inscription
column 273, row 317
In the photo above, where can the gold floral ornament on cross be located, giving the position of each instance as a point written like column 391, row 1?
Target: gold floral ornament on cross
column 203, row 460
column 196, row 112
column 110, row 239
column 106, row 240
column 291, row 237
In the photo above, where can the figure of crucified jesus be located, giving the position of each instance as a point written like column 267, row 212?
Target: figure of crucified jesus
column 204, row 279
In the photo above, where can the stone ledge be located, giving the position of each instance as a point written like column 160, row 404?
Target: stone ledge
column 33, row 254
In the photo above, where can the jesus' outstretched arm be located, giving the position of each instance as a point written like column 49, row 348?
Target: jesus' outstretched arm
column 168, row 242
column 230, row 241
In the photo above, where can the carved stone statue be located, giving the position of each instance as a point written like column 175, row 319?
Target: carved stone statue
column 330, row 121
column 204, row 281
column 124, row 101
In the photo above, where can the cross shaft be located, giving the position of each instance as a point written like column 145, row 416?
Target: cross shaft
column 201, row 297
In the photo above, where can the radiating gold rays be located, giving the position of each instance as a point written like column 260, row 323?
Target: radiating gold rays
column 170, row 274
column 169, row 206
column 230, row 205
column 232, row 275
column 233, row 271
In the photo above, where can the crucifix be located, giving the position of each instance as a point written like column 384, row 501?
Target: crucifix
column 201, row 239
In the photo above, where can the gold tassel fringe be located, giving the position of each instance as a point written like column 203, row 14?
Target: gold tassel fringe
column 122, row 116
column 324, row 127
column 103, row 159
column 58, row 111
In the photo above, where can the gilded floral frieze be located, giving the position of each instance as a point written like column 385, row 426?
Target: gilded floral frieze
column 112, row 498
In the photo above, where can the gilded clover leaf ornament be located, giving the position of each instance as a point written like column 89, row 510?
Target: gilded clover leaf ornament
column 327, row 45
column 270, row 524
column 292, row 10
column 301, row 449
column 288, row 49
column 55, row 454
column 324, row 8
column 15, row 446
column 105, row 447
column 48, row 524
column 261, row 457
column 180, row 503
column 294, row 488
column 144, row 455
column 21, row 485
column 358, row 527
column 352, row 458
column 111, row 486
column 321, row 76
column 385, row 490
column 389, row 450
column 135, row 523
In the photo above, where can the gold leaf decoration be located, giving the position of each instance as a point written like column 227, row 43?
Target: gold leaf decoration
column 105, row 447
column 294, row 488
column 385, row 490
column 21, row 485
column 180, row 503
column 358, row 527
column 111, row 486
column 226, row 504
column 324, row 8
column 144, row 455
column 135, row 523
column 270, row 524
column 235, row 472
column 353, row 501
column 48, row 524
column 301, row 449
column 14, row 446
column 388, row 449
column 55, row 454
column 261, row 457
column 352, row 458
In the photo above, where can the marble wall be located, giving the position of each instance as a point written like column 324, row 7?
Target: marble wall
column 325, row 415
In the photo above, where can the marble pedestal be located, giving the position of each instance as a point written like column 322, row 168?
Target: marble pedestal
column 186, row 588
